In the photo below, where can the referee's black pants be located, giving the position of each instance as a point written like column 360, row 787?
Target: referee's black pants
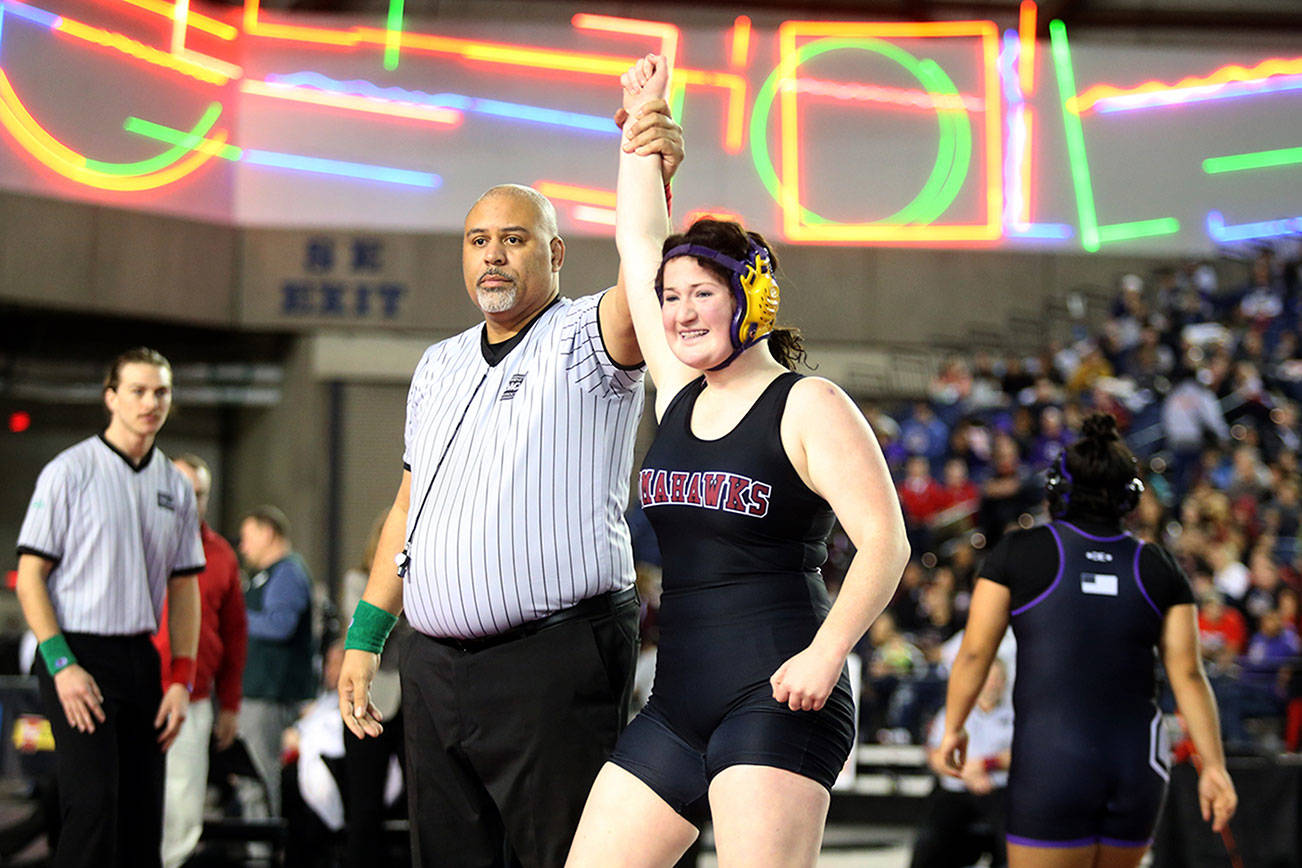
column 503, row 743
column 957, row 828
column 110, row 780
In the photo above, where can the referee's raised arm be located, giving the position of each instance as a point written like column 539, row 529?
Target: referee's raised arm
column 374, row 617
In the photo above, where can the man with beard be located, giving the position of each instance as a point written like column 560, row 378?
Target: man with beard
column 507, row 549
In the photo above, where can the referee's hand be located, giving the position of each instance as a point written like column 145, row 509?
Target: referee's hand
column 355, row 675
column 80, row 697
column 953, row 749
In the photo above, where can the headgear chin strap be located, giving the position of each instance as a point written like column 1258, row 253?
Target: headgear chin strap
column 753, row 288
column 1058, row 485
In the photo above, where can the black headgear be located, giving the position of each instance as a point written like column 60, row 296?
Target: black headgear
column 1058, row 485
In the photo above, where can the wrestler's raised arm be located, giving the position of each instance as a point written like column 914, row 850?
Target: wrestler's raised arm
column 641, row 226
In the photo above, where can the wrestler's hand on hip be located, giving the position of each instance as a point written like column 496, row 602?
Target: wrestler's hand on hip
column 804, row 682
column 171, row 714
column 79, row 695
column 355, row 675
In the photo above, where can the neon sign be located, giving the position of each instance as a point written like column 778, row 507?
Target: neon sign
column 985, row 134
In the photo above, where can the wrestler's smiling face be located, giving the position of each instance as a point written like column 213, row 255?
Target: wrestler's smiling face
column 696, row 308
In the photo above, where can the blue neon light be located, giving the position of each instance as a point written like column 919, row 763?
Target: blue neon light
column 1009, row 61
column 344, row 168
column 1222, row 234
column 461, row 102
column 1041, row 231
column 1229, row 90
column 34, row 15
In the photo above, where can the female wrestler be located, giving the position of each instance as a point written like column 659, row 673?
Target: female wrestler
column 751, row 705
column 1088, row 603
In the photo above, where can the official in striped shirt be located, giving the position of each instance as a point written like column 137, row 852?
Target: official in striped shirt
column 508, row 529
column 110, row 529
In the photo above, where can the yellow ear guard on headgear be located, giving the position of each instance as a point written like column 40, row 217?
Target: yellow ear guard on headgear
column 753, row 287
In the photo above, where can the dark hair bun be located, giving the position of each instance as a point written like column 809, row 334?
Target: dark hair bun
column 1099, row 427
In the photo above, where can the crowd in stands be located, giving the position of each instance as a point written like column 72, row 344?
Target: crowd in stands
column 1204, row 381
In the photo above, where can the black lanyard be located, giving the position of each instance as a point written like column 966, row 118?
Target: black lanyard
column 403, row 560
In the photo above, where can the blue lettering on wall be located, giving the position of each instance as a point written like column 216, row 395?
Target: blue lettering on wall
column 366, row 254
column 319, row 256
column 341, row 299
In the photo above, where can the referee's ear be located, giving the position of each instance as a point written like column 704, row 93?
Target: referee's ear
column 558, row 253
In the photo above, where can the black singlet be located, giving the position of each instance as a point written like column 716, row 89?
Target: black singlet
column 1089, row 756
column 742, row 539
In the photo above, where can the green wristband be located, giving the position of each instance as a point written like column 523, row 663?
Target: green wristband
column 56, row 654
column 369, row 628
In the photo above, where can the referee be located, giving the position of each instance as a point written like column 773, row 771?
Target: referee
column 111, row 528
column 508, row 528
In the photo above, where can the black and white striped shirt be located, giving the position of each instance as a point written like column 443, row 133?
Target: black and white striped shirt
column 116, row 533
column 525, row 516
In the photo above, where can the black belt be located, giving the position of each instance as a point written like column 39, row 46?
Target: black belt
column 590, row 609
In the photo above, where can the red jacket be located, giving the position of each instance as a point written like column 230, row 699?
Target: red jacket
column 921, row 499
column 223, row 627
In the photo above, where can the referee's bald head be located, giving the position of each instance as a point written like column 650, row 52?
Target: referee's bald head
column 546, row 211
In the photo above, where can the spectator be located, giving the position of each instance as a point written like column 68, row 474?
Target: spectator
column 219, row 666
column 1052, row 438
column 278, row 678
column 1093, row 367
column 1190, row 414
column 924, row 434
column 960, row 499
column 1264, row 586
column 1222, row 631
column 922, row 499
column 1229, row 573
column 1008, row 492
column 892, row 664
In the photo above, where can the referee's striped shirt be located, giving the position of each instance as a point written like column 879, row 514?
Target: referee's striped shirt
column 116, row 532
column 525, row 515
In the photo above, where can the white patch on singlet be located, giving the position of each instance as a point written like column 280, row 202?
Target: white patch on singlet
column 1099, row 584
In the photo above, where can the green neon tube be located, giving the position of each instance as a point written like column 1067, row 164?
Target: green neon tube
column 1255, row 160
column 954, row 132
column 1080, row 169
column 393, row 39
column 166, row 158
column 181, row 140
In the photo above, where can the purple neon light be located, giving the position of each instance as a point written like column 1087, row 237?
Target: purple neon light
column 1056, row 579
column 1222, row 234
column 1040, row 231
column 1140, row 582
column 1119, row 536
column 32, row 14
column 1202, row 93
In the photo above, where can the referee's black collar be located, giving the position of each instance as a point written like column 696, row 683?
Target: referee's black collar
column 144, row 459
column 494, row 353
